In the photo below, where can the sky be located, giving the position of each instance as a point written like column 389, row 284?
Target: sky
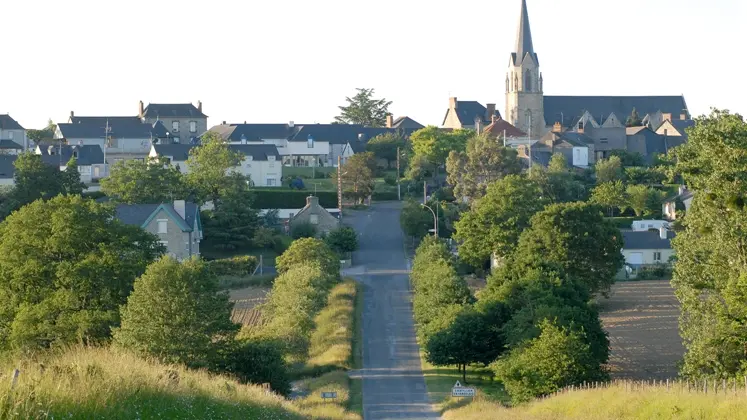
column 296, row 60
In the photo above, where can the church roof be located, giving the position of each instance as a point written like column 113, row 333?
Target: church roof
column 571, row 108
column 523, row 37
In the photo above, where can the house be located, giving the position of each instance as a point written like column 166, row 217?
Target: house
column 468, row 114
column 403, row 123
column 678, row 203
column 9, row 147
column 502, row 130
column 184, row 122
column 578, row 148
column 90, row 159
column 645, row 248
column 316, row 215
column 177, row 225
column 351, row 148
column 7, row 169
column 648, row 143
column 675, row 131
column 11, row 131
column 261, row 163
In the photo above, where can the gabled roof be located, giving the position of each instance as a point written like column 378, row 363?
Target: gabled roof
column 631, row 131
column 8, row 123
column 357, row 146
column 128, row 130
column 407, row 123
column 569, row 138
column 10, row 145
column 180, row 152
column 7, row 166
column 85, row 154
column 338, row 133
column 467, row 111
column 571, row 108
column 501, row 126
column 103, row 120
column 646, row 240
column 142, row 214
column 172, row 110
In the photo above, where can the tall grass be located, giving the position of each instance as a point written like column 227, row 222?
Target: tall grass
column 331, row 344
column 610, row 403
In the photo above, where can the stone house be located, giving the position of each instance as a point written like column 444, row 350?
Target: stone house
column 316, row 215
column 468, row 114
column 177, row 225
column 184, row 122
column 11, row 131
column 90, row 159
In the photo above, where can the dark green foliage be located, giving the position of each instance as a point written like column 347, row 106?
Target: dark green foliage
column 559, row 185
column 66, row 266
column 270, row 198
column 144, row 182
column 384, row 196
column 232, row 222
column 415, row 219
column 256, row 362
column 242, row 265
column 384, row 146
column 483, row 162
column 309, row 251
column 634, row 120
column 646, row 176
column 363, row 109
column 34, row 179
column 629, row 158
column 303, row 230
column 611, row 195
column 342, row 240
column 555, row 359
column 71, row 178
column 608, row 170
column 177, row 315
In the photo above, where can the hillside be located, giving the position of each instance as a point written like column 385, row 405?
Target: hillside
column 85, row 383
column 612, row 403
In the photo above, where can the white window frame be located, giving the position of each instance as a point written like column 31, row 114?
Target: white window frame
column 175, row 126
column 164, row 243
column 193, row 126
column 657, row 256
column 271, row 182
column 165, row 224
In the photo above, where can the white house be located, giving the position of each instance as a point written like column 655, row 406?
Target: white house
column 262, row 162
column 647, row 247
column 90, row 159
column 683, row 200
column 11, row 131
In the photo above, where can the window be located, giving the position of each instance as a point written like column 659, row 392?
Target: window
column 176, row 140
column 314, row 219
column 603, row 141
column 175, row 126
column 528, row 81
column 580, row 124
column 193, row 126
column 657, row 256
column 164, row 243
column 270, row 182
column 271, row 164
column 10, row 135
column 163, row 225
column 310, row 142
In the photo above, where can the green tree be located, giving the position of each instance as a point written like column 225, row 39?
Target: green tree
column 66, row 266
column 33, row 180
column 256, row 361
column 611, row 195
column 309, row 251
column 358, row 176
column 46, row 133
column 557, row 185
column 555, row 359
column 71, row 178
column 415, row 219
column 483, row 162
column 494, row 223
column 609, row 170
column 343, row 240
column 144, row 182
column 434, row 144
column 303, row 230
column 232, row 222
column 629, row 159
column 176, row 314
column 558, row 164
column 709, row 276
column 469, row 339
column 209, row 165
column 577, row 239
column 643, row 199
column 384, row 146
column 419, row 169
column 634, row 120
column 364, row 109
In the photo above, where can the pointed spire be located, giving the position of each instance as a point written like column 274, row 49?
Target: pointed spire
column 523, row 35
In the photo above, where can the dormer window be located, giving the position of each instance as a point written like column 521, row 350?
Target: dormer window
column 75, row 154
column 581, row 124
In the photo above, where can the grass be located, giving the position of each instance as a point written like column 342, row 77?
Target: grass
column 86, row 383
column 612, row 403
column 356, row 385
column 331, row 344
column 313, row 404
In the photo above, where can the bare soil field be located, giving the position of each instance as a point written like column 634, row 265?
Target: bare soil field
column 641, row 319
column 245, row 311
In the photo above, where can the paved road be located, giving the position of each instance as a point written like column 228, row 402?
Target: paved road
column 393, row 384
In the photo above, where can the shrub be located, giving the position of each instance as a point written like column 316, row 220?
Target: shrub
column 272, row 198
column 384, row 196
column 93, row 195
column 390, row 180
column 264, row 237
column 242, row 265
column 303, row 230
column 343, row 240
column 257, row 362
column 309, row 251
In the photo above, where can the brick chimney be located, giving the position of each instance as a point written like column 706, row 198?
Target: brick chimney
column 180, row 206
column 389, row 120
column 72, row 114
column 140, row 110
column 493, row 118
column 312, row 201
column 453, row 103
column 489, row 112
column 557, row 128
column 199, row 106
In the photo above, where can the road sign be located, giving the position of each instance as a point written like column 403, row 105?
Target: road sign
column 329, row 395
column 459, row 391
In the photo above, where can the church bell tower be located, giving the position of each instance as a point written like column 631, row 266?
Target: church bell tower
column 524, row 100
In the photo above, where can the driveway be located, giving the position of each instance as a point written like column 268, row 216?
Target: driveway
column 393, row 383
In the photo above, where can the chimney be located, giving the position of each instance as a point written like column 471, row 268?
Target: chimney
column 199, row 106
column 312, row 201
column 291, row 124
column 180, row 206
column 493, row 118
column 224, row 123
column 72, row 114
column 389, row 120
column 453, row 103
column 667, row 116
column 557, row 128
column 683, row 117
column 489, row 112
column 663, row 232
column 140, row 110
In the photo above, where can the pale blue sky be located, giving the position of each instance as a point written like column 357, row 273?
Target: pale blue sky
column 276, row 61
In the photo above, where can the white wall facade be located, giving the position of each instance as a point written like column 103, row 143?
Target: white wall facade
column 647, row 256
column 581, row 156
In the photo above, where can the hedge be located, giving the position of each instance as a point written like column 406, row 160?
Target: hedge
column 93, row 195
column 267, row 198
column 235, row 266
column 384, row 196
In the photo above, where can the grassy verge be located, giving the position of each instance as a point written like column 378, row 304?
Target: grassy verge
column 356, row 385
column 613, row 403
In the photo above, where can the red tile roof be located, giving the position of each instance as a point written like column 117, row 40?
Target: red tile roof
column 500, row 125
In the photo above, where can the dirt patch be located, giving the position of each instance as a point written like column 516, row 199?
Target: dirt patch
column 641, row 318
column 245, row 311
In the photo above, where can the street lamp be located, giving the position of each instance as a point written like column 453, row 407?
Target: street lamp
column 435, row 220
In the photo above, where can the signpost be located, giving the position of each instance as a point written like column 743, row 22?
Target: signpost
column 459, row 391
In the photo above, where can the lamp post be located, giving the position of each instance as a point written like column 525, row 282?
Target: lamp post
column 435, row 220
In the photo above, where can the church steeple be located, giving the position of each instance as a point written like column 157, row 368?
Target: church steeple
column 524, row 36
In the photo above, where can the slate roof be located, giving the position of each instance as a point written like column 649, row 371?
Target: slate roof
column 468, row 110
column 631, row 131
column 407, row 123
column 138, row 214
column 572, row 107
column 87, row 154
column 646, row 240
column 523, row 38
column 332, row 133
column 180, row 152
column 8, row 123
column 118, row 129
column 10, row 144
column 172, row 110
column 7, row 166
column 497, row 129
column 101, row 121
column 357, row 146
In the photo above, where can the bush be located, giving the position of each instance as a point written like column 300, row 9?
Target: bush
column 309, row 251
column 93, row 195
column 264, row 237
column 257, row 362
column 342, row 240
column 384, row 196
column 303, row 230
column 390, row 180
column 242, row 265
column 275, row 198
